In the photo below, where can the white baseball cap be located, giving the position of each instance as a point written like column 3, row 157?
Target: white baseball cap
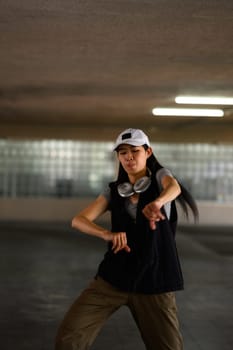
column 134, row 137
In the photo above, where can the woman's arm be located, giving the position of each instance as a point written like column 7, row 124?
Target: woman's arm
column 171, row 190
column 84, row 221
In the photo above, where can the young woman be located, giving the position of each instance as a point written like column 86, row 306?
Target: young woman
column 141, row 267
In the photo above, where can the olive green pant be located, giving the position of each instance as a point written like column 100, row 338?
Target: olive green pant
column 155, row 316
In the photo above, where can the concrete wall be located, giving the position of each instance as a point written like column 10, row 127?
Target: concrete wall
column 60, row 210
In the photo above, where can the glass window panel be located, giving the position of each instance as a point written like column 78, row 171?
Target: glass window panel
column 63, row 168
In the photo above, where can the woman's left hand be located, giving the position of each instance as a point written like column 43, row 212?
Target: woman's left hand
column 152, row 212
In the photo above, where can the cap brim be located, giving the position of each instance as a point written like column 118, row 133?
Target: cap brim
column 127, row 142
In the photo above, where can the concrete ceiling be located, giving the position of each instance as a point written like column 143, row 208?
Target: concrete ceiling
column 90, row 68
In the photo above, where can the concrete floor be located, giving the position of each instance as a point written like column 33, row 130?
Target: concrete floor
column 45, row 266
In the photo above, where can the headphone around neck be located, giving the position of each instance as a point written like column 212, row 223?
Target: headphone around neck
column 126, row 189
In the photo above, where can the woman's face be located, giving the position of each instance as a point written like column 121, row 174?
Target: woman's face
column 133, row 159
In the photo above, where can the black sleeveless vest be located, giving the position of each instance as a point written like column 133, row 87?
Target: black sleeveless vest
column 152, row 266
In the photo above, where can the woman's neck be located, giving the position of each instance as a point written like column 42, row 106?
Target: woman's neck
column 134, row 177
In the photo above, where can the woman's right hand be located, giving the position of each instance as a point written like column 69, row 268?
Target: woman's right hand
column 119, row 241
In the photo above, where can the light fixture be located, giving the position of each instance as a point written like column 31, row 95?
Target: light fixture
column 208, row 100
column 187, row 112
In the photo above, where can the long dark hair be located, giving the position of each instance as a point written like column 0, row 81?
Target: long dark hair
column 185, row 198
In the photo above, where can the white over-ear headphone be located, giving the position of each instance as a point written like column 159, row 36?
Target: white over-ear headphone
column 126, row 189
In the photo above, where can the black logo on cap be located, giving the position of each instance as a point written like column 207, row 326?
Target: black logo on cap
column 126, row 136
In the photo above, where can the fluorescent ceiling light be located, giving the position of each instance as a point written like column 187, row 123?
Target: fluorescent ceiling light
column 204, row 100
column 188, row 112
